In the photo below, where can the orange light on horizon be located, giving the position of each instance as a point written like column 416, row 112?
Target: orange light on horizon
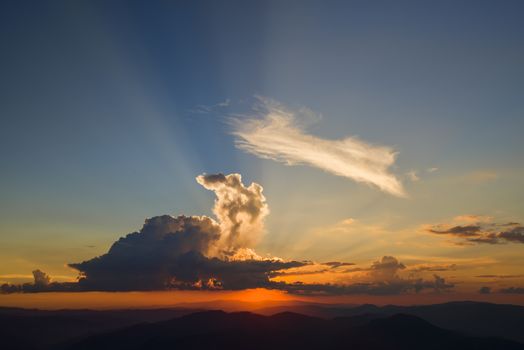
column 153, row 299
column 249, row 300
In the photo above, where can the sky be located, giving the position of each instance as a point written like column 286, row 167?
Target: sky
column 366, row 147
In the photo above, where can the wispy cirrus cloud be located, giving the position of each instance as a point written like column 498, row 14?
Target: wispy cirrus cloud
column 481, row 176
column 277, row 132
column 205, row 109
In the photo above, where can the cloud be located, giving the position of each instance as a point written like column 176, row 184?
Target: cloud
column 500, row 276
column 192, row 252
column 41, row 278
column 8, row 288
column 467, row 231
column 515, row 234
column 277, row 134
column 386, row 269
column 485, row 290
column 335, row 264
column 298, row 273
column 314, row 269
column 173, row 253
column 413, row 176
column 434, row 268
column 192, row 270
column 240, row 210
column 200, row 252
column 474, row 229
column 147, row 259
column 393, row 287
column 41, row 283
column 382, row 277
column 224, row 103
column 512, row 290
column 205, row 109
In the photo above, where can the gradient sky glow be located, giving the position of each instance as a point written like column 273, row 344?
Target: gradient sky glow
column 110, row 110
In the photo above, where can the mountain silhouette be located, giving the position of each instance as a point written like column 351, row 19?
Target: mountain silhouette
column 244, row 330
column 473, row 318
column 464, row 325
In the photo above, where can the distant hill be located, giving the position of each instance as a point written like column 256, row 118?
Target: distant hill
column 474, row 318
column 244, row 330
column 444, row 326
column 28, row 329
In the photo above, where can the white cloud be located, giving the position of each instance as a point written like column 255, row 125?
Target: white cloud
column 277, row 134
column 348, row 221
column 240, row 211
column 413, row 176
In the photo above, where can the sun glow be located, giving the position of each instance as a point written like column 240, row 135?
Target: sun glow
column 160, row 299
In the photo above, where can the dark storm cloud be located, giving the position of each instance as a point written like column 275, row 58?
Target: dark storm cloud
column 171, row 252
column 482, row 231
column 191, row 252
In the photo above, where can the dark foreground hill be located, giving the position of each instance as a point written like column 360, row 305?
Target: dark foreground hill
column 243, row 330
column 28, row 329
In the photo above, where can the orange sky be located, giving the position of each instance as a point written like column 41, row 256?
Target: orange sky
column 230, row 300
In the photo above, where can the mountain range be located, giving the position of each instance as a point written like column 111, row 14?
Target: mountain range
column 458, row 325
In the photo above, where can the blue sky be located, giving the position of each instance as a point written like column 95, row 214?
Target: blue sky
column 102, row 123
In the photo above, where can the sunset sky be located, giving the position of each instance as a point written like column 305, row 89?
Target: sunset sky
column 365, row 149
